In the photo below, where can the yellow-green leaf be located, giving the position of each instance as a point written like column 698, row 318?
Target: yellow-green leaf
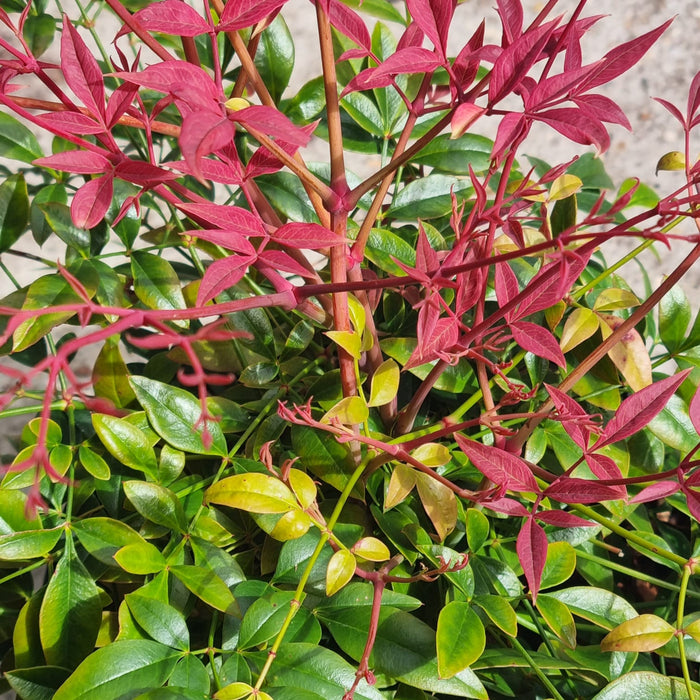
column 371, row 549
column 674, row 160
column 340, row 570
column 402, row 481
column 350, row 341
column 350, row 411
column 612, row 299
column 303, row 486
column 642, row 633
column 564, row 186
column 254, row 492
column 460, row 638
column 439, row 502
column 140, row 558
column 558, row 618
column 580, row 325
column 234, row 691
column 630, row 355
column 291, row 526
column 385, row 383
column 357, row 313
column 432, row 454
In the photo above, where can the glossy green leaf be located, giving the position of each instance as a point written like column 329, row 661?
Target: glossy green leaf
column 126, row 443
column 275, row 57
column 58, row 217
column 14, row 210
column 140, row 558
column 499, row 611
column 599, row 606
column 340, row 570
column 674, row 316
column 159, row 620
column 328, row 460
column 36, row 683
column 559, row 565
column 383, row 245
column 645, row 685
column 71, row 612
column 13, row 513
column 454, row 156
column 93, row 463
column 26, row 641
column 207, row 586
column 110, row 377
column 478, row 529
column 156, row 283
column 558, row 618
column 429, row 197
column 303, row 667
column 17, row 142
column 123, row 669
column 264, row 618
column 156, row 503
column 32, row 544
column 672, row 425
column 103, row 537
column 259, row 374
column 191, row 673
column 175, row 415
column 460, row 639
column 364, row 110
column 641, row 633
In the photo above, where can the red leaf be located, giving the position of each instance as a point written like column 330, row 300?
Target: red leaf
column 230, row 240
column 693, row 501
column 578, row 126
column 80, row 162
column 570, row 415
column 694, row 411
column 603, row 467
column 466, row 65
column 81, row 71
column 623, row 57
column 503, row 468
column 214, row 170
column 349, row 23
column 366, row 80
column 221, row 275
column 506, row 283
column 305, row 235
column 119, row 101
column 572, row 490
column 71, row 123
column 189, row 82
column 142, row 173
column 91, row 202
column 637, row 410
column 670, row 107
column 694, row 97
column 604, row 109
column 507, row 506
column 511, row 14
column 510, row 130
column 172, row 17
column 279, row 260
column 464, row 116
column 434, row 18
column 226, row 217
column 239, row 14
column 537, row 340
column 560, row 518
column 410, row 60
column 273, row 123
column 203, row 133
column 656, row 491
column 516, row 60
column 444, row 336
column 263, row 162
column 556, row 86
column 531, row 547
column 426, row 257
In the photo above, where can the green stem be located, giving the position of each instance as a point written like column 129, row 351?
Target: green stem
column 687, row 571
column 299, row 592
column 538, row 671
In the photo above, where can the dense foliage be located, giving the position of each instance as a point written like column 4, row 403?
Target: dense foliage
column 400, row 435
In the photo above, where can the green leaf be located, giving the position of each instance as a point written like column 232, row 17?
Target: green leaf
column 32, row 544
column 558, row 618
column 363, row 109
column 264, row 618
column 275, row 57
column 499, row 611
column 191, row 673
column 156, row 283
column 17, row 141
column 157, row 504
column 253, row 492
column 385, row 383
column 103, row 537
column 597, row 605
column 429, row 197
column 126, row 443
column 58, row 217
column 38, row 682
column 110, row 377
column 93, row 463
column 71, row 612
column 326, row 459
column 122, row 669
column 645, row 685
column 674, row 317
column 456, row 155
column 559, row 565
column 641, row 633
column 207, row 586
column 300, row 668
column 672, row 425
column 159, row 620
column 14, row 210
column 175, row 415
column 381, row 9
column 460, row 639
column 644, row 196
column 140, row 558
column 26, row 641
column 383, row 245
column 591, row 171
column 259, row 374
column 13, row 513
column 478, row 529
column 39, row 32
column 208, row 556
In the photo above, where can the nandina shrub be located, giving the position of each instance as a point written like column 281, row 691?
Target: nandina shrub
column 376, row 436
